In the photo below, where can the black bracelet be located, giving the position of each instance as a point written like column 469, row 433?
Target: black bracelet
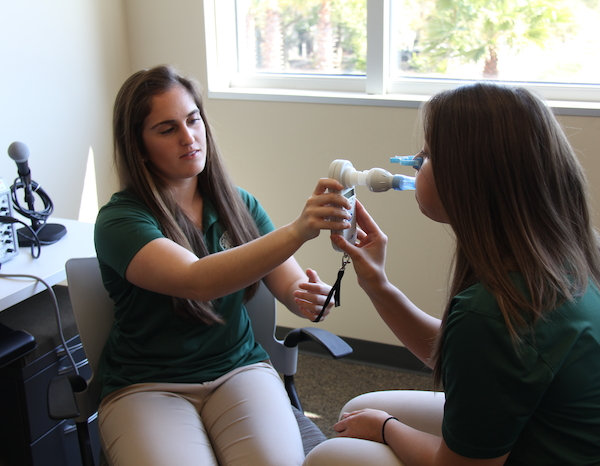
column 383, row 428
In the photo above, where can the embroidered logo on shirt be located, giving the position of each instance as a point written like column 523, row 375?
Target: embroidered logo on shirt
column 225, row 241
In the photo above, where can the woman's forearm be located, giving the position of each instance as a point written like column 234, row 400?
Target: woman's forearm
column 416, row 329
column 165, row 267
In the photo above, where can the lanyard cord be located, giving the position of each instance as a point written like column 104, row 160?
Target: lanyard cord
column 336, row 288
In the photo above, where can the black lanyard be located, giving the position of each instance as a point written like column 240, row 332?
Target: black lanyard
column 336, row 288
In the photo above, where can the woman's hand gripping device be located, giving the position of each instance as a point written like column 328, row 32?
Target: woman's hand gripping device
column 377, row 180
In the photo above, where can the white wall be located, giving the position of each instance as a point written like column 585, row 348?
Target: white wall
column 62, row 62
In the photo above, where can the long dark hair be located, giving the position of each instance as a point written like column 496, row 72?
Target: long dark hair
column 133, row 104
column 516, row 197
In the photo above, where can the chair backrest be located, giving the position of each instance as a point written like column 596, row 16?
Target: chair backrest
column 92, row 307
column 94, row 313
column 262, row 309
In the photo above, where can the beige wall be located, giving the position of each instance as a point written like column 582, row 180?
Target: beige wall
column 278, row 151
column 69, row 59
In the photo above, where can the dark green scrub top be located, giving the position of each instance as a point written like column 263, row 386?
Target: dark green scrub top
column 149, row 342
column 540, row 400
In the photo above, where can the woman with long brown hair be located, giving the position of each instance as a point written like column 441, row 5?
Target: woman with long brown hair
column 517, row 351
column 181, row 248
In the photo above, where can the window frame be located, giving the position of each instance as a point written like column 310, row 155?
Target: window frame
column 375, row 88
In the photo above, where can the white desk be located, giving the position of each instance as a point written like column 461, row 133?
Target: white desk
column 50, row 266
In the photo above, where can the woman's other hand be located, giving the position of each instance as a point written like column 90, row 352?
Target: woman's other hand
column 368, row 254
column 311, row 296
column 365, row 424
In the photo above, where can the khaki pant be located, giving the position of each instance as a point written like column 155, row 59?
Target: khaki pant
column 242, row 418
column 422, row 410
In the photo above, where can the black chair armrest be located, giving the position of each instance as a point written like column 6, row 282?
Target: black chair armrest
column 62, row 404
column 61, row 396
column 337, row 347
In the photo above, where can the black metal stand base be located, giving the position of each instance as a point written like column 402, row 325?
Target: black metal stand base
column 48, row 233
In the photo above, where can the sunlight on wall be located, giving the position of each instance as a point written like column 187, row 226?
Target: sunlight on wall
column 88, row 209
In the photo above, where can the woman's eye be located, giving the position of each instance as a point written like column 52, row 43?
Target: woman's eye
column 166, row 131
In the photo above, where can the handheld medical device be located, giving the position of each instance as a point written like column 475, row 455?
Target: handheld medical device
column 376, row 179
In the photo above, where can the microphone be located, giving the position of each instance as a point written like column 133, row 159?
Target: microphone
column 19, row 152
column 40, row 233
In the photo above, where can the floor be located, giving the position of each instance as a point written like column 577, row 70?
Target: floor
column 324, row 385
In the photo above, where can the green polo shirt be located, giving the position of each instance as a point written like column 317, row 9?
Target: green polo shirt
column 541, row 400
column 149, row 342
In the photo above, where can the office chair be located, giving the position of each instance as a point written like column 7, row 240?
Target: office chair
column 73, row 397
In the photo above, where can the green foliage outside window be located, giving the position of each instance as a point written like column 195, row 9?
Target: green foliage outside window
column 429, row 37
column 472, row 30
column 305, row 35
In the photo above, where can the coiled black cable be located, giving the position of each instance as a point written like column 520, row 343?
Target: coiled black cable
column 36, row 216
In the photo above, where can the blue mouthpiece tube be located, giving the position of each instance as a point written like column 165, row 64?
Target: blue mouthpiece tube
column 403, row 183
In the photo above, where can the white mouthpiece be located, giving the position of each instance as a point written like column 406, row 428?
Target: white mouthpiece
column 376, row 179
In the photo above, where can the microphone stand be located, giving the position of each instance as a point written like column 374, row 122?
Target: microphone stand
column 45, row 233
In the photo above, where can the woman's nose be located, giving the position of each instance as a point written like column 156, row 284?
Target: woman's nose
column 187, row 136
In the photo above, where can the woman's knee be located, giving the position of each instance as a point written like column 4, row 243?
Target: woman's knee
column 153, row 428
column 343, row 451
column 422, row 410
column 249, row 418
column 384, row 400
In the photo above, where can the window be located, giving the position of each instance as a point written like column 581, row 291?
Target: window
column 403, row 50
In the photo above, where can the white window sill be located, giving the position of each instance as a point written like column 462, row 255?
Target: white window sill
column 569, row 108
